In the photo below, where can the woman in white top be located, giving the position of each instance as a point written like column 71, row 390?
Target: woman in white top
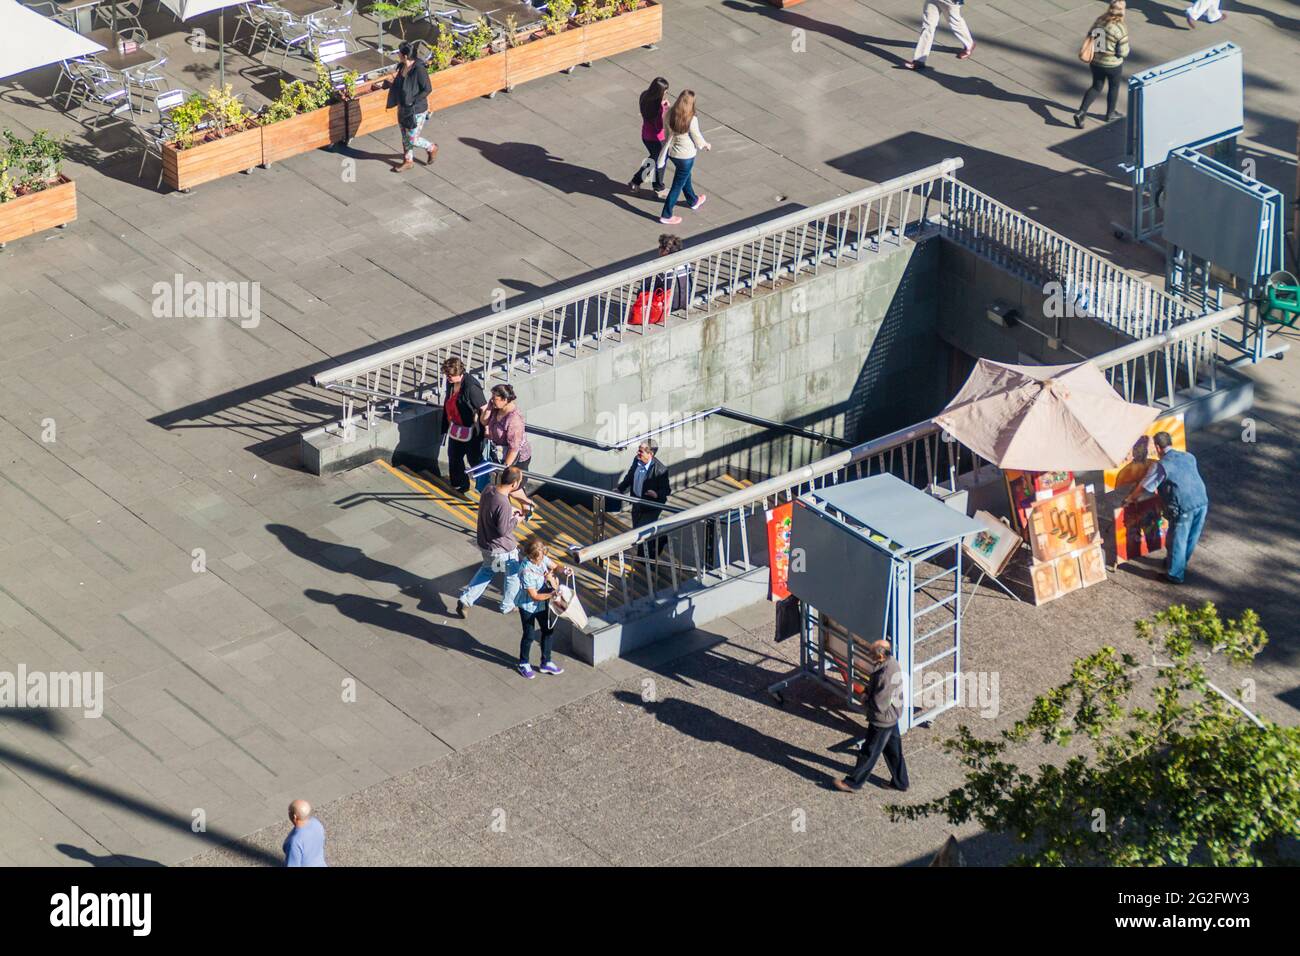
column 681, row 143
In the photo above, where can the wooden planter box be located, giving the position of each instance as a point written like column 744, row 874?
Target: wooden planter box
column 186, row 168
column 456, row 84
column 627, row 31
column 466, row 81
column 368, row 113
column 36, row 212
column 303, row 133
column 545, row 55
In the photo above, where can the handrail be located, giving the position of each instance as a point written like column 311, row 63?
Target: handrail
column 722, row 410
column 488, row 467
column 652, row 267
column 876, row 446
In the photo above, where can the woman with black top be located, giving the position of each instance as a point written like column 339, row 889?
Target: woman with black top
column 409, row 91
column 465, row 403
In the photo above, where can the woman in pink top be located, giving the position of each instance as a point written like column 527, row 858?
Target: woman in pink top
column 654, row 104
column 503, row 424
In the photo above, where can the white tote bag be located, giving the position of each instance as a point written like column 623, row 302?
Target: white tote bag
column 566, row 604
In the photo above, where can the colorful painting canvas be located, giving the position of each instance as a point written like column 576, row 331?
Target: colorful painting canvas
column 1043, row 577
column 1062, row 524
column 1027, row 487
column 1134, row 468
column 991, row 549
column 1092, row 566
column 1140, row 529
column 1067, row 574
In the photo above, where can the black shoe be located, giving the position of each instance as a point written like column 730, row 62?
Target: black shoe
column 1078, row 119
column 894, row 785
column 461, row 608
column 1170, row 580
column 1112, row 116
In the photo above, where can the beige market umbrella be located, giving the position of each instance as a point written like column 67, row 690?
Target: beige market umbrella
column 1044, row 417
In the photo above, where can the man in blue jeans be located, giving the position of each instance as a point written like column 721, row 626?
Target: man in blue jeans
column 1178, row 482
column 495, row 536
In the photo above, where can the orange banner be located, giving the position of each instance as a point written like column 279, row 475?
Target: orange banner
column 779, row 521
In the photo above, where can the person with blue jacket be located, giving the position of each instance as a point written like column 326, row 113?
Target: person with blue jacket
column 1178, row 482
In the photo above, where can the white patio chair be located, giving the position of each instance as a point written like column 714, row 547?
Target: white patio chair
column 126, row 13
column 288, row 32
column 335, row 23
column 253, row 15
column 92, row 83
column 162, row 130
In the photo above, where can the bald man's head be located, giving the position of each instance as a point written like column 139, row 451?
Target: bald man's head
column 299, row 812
column 880, row 649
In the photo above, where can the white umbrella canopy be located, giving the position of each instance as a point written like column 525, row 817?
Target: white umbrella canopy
column 29, row 40
column 1044, row 417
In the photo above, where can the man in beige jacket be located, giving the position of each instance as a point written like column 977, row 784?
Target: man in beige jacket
column 930, row 23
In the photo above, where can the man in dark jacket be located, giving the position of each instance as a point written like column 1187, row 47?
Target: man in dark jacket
column 1178, row 482
column 647, row 479
column 408, row 91
column 884, row 701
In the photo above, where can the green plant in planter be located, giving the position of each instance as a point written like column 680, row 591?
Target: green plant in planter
column 557, row 14
column 586, row 12
column 443, row 50
column 29, row 166
column 8, row 187
column 606, row 10
column 188, row 117
column 477, row 42
column 350, row 80
column 228, row 114
column 512, row 31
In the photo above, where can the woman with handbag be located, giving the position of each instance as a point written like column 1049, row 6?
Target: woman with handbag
column 538, row 583
column 682, row 143
column 654, row 106
column 409, row 91
column 503, row 426
column 1104, row 50
column 464, row 406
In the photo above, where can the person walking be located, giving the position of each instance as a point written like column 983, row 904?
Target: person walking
column 409, row 91
column 647, row 479
column 654, row 107
column 930, row 23
column 682, row 143
column 305, row 844
column 503, row 423
column 1204, row 8
column 884, row 704
column 499, row 512
column 462, row 412
column 538, row 583
column 1177, row 480
column 1109, row 35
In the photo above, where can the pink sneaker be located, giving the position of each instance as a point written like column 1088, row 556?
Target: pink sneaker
column 699, row 201
column 670, row 221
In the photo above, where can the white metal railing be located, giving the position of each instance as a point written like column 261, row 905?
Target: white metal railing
column 1153, row 370
column 542, row 333
column 1088, row 283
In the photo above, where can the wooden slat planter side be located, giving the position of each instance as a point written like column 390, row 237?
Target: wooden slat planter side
column 545, row 55
column 303, row 133
column 37, row 212
column 186, row 168
column 627, row 31
column 368, row 113
column 467, row 81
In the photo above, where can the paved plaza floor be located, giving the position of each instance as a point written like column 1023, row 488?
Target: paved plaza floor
column 314, row 657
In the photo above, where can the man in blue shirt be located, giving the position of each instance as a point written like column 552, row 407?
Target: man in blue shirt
column 305, row 844
column 1178, row 482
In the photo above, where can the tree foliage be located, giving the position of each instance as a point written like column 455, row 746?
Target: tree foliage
column 1171, row 771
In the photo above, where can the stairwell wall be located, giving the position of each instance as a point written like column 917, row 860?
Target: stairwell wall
column 852, row 352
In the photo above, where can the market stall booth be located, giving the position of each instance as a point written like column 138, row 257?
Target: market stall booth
column 1045, row 427
column 878, row 559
